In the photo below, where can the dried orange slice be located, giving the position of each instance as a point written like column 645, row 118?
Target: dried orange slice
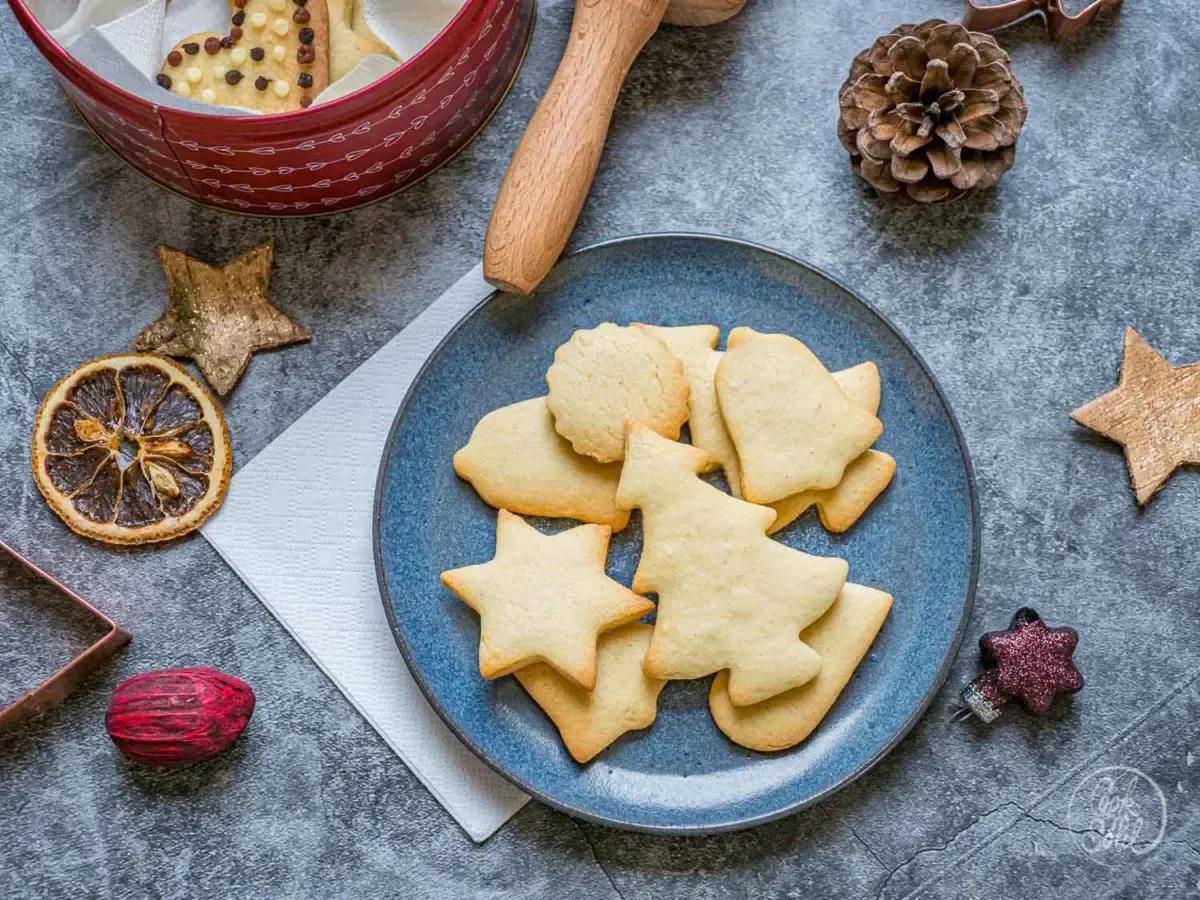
column 131, row 449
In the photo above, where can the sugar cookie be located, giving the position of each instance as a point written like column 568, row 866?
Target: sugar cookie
column 860, row 383
column 864, row 479
column 544, row 598
column 350, row 38
column 694, row 346
column 793, row 427
column 840, row 507
column 607, row 376
column 842, row 637
column 729, row 597
column 517, row 461
column 274, row 59
column 624, row 699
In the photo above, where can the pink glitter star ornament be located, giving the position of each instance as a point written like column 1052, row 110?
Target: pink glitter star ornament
column 1028, row 661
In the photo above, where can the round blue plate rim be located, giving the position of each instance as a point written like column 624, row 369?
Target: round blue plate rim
column 744, row 822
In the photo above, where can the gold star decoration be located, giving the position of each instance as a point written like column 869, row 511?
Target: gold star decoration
column 544, row 598
column 218, row 315
column 1154, row 413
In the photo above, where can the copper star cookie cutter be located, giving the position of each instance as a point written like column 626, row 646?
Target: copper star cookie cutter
column 1061, row 24
column 56, row 688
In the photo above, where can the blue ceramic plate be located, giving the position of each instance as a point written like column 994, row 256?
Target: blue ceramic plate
column 919, row 541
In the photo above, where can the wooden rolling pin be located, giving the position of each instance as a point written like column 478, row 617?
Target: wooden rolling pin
column 551, row 172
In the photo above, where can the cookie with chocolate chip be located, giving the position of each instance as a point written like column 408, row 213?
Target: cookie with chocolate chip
column 274, row 59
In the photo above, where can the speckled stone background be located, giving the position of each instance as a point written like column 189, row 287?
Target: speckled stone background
column 1017, row 299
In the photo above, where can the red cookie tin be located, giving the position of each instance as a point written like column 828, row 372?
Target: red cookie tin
column 332, row 157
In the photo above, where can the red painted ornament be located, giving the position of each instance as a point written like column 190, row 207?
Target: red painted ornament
column 1028, row 661
column 178, row 716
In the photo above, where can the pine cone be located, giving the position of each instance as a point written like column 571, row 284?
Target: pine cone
column 931, row 112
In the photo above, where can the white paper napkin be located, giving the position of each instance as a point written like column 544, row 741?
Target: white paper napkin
column 296, row 526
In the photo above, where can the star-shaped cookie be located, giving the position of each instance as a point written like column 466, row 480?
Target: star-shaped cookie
column 544, row 598
column 1154, row 413
column 218, row 315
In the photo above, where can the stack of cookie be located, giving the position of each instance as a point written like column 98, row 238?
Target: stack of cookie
column 783, row 629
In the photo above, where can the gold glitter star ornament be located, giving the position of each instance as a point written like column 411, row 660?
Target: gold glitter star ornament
column 219, row 315
column 1154, row 413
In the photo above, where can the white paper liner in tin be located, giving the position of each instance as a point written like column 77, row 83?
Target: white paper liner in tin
column 125, row 41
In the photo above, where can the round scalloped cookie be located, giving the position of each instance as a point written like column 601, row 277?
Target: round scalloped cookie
column 607, row 376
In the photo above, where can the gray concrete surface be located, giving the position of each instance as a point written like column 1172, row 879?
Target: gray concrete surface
column 1017, row 299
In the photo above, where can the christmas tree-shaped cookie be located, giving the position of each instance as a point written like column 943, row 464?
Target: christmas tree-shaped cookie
column 729, row 597
column 695, row 347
